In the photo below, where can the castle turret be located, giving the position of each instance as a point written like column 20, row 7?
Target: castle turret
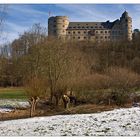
column 126, row 23
column 57, row 26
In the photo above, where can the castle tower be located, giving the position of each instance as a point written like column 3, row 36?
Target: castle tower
column 126, row 23
column 57, row 26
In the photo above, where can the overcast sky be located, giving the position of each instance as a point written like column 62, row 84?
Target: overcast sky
column 21, row 17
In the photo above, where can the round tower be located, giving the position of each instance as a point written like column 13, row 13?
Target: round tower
column 57, row 26
column 126, row 23
column 51, row 26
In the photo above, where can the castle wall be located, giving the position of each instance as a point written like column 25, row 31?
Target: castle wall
column 60, row 26
column 94, row 35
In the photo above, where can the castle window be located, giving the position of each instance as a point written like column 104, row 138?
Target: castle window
column 95, row 26
column 115, row 32
column 74, row 32
column 85, row 32
column 79, row 32
column 87, row 27
column 96, row 37
column 101, row 37
column 74, row 27
column 109, row 31
column 96, row 31
column 109, row 37
column 84, row 37
column 70, row 27
column 63, row 25
column 79, row 27
column 101, row 32
column 69, row 32
column 105, row 31
column 86, row 24
column 91, row 26
column 78, row 37
column 114, row 37
column 73, row 37
column 105, row 37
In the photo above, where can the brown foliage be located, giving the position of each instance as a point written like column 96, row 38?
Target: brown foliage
column 123, row 78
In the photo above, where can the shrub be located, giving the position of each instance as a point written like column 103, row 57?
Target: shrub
column 91, row 88
column 122, row 82
column 35, row 88
column 122, row 78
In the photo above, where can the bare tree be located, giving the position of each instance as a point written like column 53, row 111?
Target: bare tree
column 23, row 45
column 62, row 63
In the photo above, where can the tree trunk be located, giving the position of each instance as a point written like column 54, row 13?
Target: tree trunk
column 51, row 97
column 35, row 103
column 109, row 101
column 34, row 107
column 31, row 109
column 57, row 100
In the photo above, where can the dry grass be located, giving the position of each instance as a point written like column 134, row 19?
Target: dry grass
column 49, row 111
column 91, row 108
column 11, row 89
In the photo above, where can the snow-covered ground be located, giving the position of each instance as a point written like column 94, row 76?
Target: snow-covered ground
column 7, row 105
column 5, row 109
column 119, row 122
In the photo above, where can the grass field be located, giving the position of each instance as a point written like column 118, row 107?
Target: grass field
column 12, row 93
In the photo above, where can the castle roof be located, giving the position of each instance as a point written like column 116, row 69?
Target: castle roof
column 125, row 14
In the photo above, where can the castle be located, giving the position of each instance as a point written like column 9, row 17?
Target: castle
column 120, row 29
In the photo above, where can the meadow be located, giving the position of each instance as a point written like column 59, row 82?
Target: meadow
column 12, row 93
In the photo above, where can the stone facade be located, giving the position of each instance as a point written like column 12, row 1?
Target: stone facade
column 120, row 29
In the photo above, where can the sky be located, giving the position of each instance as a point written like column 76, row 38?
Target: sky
column 21, row 17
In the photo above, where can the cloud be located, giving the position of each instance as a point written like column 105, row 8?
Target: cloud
column 8, row 37
column 11, row 31
column 27, row 9
column 13, row 27
column 91, row 12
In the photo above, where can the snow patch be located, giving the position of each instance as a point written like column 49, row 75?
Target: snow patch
column 5, row 110
column 8, row 105
column 14, row 103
